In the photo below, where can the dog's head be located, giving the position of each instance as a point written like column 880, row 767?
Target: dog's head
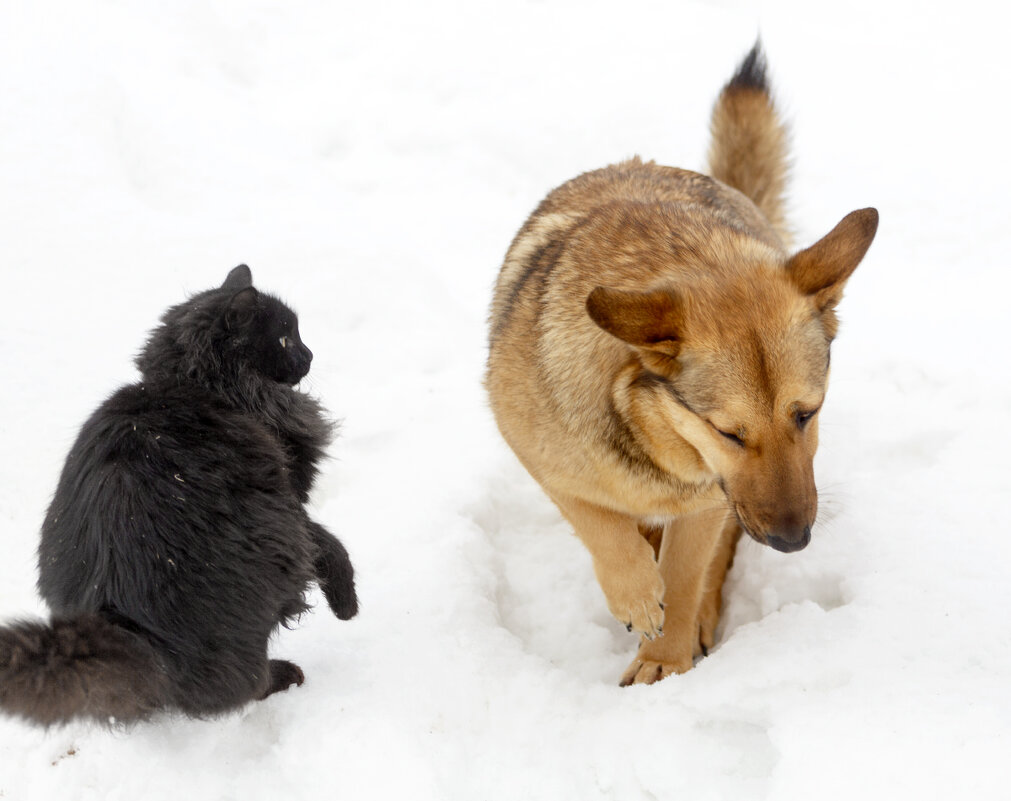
column 736, row 362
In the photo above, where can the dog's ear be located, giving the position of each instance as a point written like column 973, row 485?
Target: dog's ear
column 650, row 320
column 821, row 271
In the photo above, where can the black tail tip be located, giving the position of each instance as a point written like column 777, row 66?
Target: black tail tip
column 751, row 72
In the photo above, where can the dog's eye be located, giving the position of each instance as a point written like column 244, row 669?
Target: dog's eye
column 802, row 418
column 284, row 342
column 732, row 437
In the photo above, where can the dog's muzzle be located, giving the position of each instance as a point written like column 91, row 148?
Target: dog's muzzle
column 789, row 541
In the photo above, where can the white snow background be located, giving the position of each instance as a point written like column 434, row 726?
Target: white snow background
column 371, row 162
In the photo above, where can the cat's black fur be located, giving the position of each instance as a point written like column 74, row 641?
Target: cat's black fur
column 178, row 540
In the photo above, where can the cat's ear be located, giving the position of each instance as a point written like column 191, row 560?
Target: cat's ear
column 241, row 307
column 239, row 278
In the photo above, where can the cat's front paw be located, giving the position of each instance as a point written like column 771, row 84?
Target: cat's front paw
column 341, row 596
column 335, row 574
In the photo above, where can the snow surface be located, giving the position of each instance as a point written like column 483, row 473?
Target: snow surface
column 371, row 162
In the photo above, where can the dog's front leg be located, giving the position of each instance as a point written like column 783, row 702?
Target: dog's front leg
column 623, row 561
column 689, row 545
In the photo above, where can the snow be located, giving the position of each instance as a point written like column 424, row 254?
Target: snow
column 371, row 163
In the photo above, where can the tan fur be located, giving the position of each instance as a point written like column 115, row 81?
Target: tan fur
column 749, row 151
column 657, row 359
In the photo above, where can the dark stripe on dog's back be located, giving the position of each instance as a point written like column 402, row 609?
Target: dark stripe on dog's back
column 540, row 264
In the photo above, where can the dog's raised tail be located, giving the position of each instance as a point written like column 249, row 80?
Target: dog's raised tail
column 749, row 146
column 78, row 667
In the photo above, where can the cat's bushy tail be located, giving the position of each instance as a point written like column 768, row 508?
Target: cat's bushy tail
column 79, row 667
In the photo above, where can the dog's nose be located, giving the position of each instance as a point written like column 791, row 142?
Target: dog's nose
column 789, row 539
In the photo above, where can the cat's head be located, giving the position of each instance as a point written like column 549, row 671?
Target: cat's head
column 262, row 331
column 226, row 336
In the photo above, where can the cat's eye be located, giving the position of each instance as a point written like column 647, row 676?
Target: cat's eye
column 284, row 342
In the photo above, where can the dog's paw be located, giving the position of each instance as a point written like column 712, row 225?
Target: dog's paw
column 635, row 597
column 658, row 659
column 649, row 671
column 644, row 617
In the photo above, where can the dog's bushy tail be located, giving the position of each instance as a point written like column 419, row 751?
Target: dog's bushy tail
column 79, row 667
column 749, row 146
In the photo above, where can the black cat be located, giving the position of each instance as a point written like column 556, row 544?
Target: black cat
column 178, row 540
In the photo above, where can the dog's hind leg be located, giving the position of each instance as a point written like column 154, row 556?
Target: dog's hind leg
column 712, row 593
column 653, row 534
column 623, row 562
column 689, row 545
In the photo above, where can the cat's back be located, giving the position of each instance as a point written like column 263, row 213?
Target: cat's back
column 167, row 494
column 153, row 434
column 158, row 433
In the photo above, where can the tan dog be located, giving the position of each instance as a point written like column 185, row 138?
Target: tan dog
column 658, row 360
